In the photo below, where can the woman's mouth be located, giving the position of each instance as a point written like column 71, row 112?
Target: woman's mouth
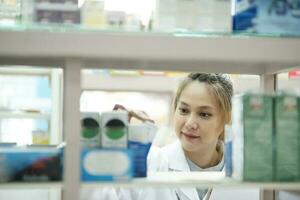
column 190, row 136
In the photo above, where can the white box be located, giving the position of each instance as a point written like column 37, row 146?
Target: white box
column 114, row 129
column 90, row 129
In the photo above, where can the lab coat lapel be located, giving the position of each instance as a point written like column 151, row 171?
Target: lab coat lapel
column 178, row 162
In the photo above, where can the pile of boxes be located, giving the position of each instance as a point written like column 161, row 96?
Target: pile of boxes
column 266, row 144
column 57, row 11
column 113, row 149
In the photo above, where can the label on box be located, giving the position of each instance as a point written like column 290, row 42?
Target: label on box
column 106, row 164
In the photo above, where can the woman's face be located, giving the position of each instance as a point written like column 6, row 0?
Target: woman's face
column 198, row 121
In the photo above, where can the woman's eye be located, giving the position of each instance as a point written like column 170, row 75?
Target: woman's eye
column 183, row 110
column 205, row 115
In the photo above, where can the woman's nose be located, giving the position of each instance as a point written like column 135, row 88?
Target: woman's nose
column 191, row 123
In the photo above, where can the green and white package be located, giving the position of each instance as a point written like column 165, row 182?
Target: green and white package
column 90, row 129
column 252, row 146
column 287, row 138
column 114, row 129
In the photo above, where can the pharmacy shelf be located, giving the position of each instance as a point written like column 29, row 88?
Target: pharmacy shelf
column 75, row 49
column 30, row 185
column 170, row 179
column 150, row 51
column 193, row 179
column 57, row 6
column 23, row 115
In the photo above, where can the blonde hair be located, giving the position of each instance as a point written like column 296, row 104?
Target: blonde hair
column 220, row 86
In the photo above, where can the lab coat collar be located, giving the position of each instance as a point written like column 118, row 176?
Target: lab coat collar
column 176, row 158
column 177, row 162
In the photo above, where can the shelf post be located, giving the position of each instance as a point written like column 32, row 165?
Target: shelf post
column 268, row 83
column 71, row 129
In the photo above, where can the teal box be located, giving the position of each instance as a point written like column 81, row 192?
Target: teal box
column 287, row 138
column 256, row 137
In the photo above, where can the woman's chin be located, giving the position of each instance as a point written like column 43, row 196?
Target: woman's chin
column 188, row 146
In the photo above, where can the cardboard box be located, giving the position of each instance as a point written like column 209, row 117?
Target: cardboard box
column 280, row 17
column 90, row 129
column 106, row 164
column 253, row 139
column 114, row 129
column 38, row 164
column 287, row 138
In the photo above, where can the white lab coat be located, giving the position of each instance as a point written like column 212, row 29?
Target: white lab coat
column 169, row 158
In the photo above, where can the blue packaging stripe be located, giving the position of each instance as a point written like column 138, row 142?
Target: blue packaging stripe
column 140, row 152
column 244, row 20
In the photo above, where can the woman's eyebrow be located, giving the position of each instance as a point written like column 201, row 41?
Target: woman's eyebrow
column 183, row 103
column 207, row 107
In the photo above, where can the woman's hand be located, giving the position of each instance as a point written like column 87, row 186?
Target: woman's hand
column 140, row 115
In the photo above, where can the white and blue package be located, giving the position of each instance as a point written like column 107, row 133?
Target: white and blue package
column 31, row 164
column 106, row 164
column 280, row 17
column 139, row 141
column 244, row 12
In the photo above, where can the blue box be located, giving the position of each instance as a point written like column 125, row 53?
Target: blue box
column 106, row 164
column 31, row 164
column 280, row 17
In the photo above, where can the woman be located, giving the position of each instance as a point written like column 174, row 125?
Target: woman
column 201, row 108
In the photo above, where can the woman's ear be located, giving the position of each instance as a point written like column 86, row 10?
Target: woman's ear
column 222, row 135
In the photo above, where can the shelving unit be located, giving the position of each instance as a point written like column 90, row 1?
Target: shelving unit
column 54, row 118
column 76, row 49
column 22, row 115
column 176, row 179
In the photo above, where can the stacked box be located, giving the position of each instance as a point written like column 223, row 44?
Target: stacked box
column 287, row 138
column 57, row 11
column 90, row 129
column 114, row 129
column 253, row 148
column 106, row 164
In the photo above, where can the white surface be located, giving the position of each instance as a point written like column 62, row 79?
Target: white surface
column 288, row 195
column 18, row 115
column 255, row 55
column 30, row 194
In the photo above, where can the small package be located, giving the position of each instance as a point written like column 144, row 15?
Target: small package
column 27, row 164
column 253, row 139
column 280, row 17
column 114, row 133
column 106, row 164
column 139, row 141
column 287, row 138
column 90, row 129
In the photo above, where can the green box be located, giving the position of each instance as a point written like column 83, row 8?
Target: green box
column 287, row 138
column 258, row 137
